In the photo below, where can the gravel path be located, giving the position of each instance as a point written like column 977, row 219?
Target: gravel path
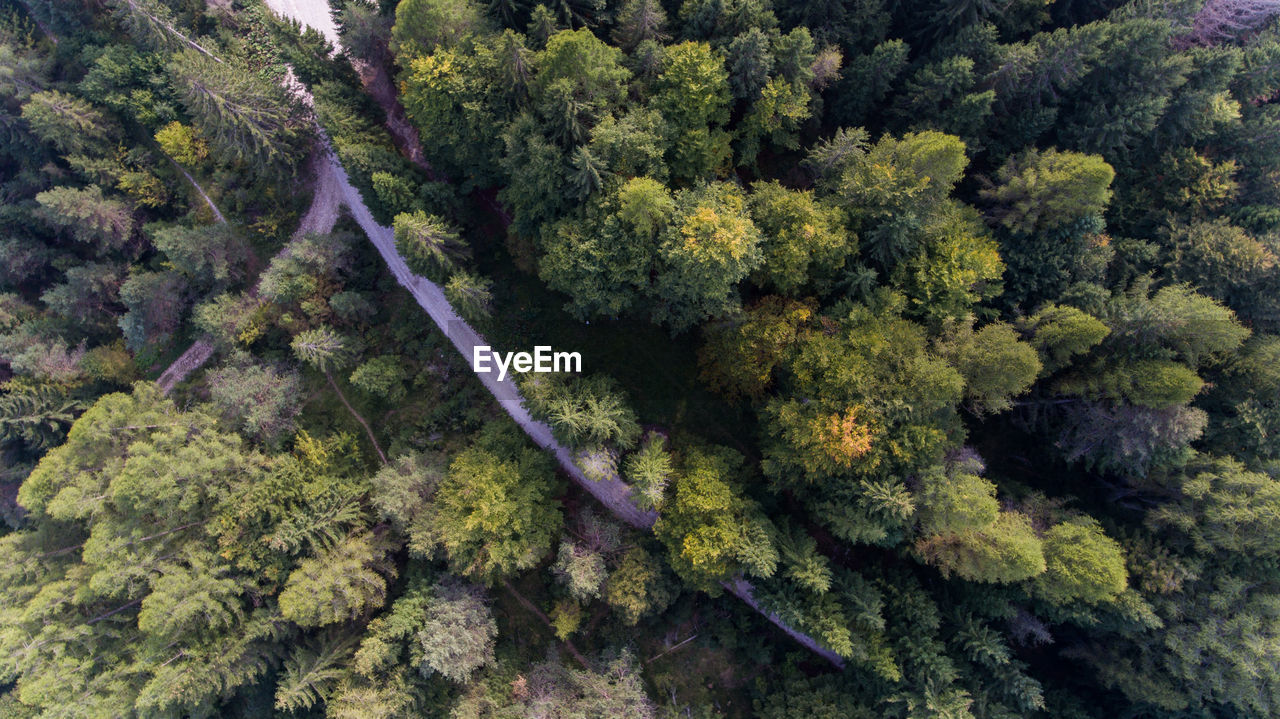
column 326, row 202
column 196, row 355
column 311, row 14
column 612, row 492
column 326, row 198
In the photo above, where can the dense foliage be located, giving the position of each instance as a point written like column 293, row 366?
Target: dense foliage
column 978, row 304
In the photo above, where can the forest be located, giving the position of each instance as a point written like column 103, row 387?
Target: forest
column 930, row 359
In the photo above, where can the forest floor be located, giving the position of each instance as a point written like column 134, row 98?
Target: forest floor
column 378, row 83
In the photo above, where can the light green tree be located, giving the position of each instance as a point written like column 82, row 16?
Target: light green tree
column 493, row 514
column 1082, row 564
column 1041, row 190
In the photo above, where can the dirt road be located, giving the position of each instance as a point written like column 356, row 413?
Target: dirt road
column 612, row 492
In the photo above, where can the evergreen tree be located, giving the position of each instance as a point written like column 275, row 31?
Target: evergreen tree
column 247, row 119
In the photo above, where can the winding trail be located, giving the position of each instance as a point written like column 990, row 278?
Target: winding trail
column 612, row 492
column 321, row 216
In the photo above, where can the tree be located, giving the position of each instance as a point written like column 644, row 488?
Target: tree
column 549, row 689
column 957, row 266
column 456, row 634
column 88, row 215
column 183, row 144
column 996, row 366
column 207, row 254
column 365, row 30
column 588, row 174
column 342, row 584
column 134, row 586
column 262, row 400
column 87, row 295
column 231, row 319
column 1005, row 551
column 604, row 261
column 750, row 61
column 739, row 359
column 581, row 569
column 1227, row 263
column 955, row 502
column 1220, row 20
column 1175, row 322
column 709, row 246
column 1047, row 265
column 1081, row 564
column 1224, row 509
column 36, row 415
column 1157, row 384
column 323, row 348
column 631, row 145
column 649, row 471
column 637, row 586
column 866, row 81
column 692, row 93
column 870, row 374
column 493, row 513
column 23, row 259
column 452, row 99
column 894, row 187
column 1248, row 420
column 429, row 245
column 578, row 79
column 422, row 26
column 639, row 20
column 804, row 240
column 1129, row 439
column 313, row 264
column 1043, row 190
column 470, row 295
column 155, row 302
column 712, row 532
column 718, row 21
column 68, row 123
column 382, row 377
column 1060, row 333
column 311, row 671
column 825, row 443
column 945, row 95
column 584, row 413
column 248, row 119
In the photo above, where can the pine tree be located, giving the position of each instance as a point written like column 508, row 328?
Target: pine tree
column 88, row 215
column 429, row 245
column 342, row 584
column 36, row 415
column 247, row 119
column 311, row 672
column 70, row 124
column 470, row 295
column 639, row 20
column 323, row 348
